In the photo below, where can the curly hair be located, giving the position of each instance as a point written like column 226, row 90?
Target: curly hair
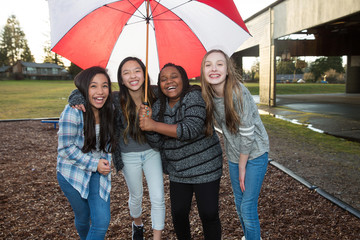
column 186, row 88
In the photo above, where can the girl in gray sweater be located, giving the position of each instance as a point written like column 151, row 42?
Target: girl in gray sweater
column 231, row 106
column 193, row 160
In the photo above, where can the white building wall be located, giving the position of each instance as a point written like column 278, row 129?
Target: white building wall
column 295, row 15
column 285, row 18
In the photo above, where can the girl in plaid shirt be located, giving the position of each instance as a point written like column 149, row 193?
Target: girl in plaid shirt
column 85, row 143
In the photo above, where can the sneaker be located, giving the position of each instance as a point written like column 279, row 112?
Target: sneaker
column 243, row 238
column 137, row 232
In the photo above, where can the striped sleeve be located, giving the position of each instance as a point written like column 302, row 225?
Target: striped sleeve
column 191, row 125
column 247, row 126
column 154, row 139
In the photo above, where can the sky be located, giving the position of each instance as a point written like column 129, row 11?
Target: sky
column 33, row 16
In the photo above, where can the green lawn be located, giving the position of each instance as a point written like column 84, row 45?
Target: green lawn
column 323, row 142
column 47, row 98
column 34, row 98
column 44, row 99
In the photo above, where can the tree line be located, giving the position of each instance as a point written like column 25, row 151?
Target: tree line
column 14, row 46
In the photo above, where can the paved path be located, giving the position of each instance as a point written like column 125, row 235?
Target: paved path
column 335, row 114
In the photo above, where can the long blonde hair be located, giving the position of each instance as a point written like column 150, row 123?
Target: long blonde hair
column 232, row 85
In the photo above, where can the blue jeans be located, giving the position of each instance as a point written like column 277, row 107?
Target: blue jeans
column 247, row 202
column 149, row 162
column 94, row 209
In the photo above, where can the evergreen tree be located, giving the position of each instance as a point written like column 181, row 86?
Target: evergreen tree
column 51, row 57
column 74, row 70
column 4, row 61
column 13, row 43
column 26, row 55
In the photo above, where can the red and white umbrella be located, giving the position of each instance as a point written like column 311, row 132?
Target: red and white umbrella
column 104, row 32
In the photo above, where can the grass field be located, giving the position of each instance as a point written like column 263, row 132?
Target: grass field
column 34, row 98
column 47, row 98
column 323, row 142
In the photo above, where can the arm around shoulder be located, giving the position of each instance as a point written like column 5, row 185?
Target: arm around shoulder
column 76, row 98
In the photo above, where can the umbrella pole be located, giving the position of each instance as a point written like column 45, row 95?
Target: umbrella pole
column 147, row 50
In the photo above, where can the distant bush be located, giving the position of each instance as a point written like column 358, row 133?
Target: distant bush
column 309, row 77
column 18, row 76
column 334, row 77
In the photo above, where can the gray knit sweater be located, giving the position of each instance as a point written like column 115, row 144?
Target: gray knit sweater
column 251, row 138
column 191, row 157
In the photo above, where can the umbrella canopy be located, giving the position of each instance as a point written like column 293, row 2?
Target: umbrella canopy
column 103, row 33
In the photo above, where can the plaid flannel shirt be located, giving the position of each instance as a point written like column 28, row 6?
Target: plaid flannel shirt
column 76, row 166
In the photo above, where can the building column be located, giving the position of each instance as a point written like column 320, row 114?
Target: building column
column 353, row 74
column 267, row 78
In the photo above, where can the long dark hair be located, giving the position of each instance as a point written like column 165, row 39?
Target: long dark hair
column 186, row 88
column 128, row 105
column 107, row 135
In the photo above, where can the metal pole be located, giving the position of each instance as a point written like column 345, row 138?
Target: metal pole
column 147, row 49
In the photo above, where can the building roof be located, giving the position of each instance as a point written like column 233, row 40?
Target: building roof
column 4, row 68
column 40, row 65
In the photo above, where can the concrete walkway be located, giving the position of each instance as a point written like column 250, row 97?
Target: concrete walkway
column 334, row 114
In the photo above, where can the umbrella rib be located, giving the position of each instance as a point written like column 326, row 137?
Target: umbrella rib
column 180, row 20
column 158, row 3
column 143, row 20
column 131, row 14
column 169, row 10
column 137, row 9
column 143, row 17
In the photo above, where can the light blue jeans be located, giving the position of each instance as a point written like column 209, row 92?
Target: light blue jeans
column 94, row 209
column 149, row 162
column 247, row 202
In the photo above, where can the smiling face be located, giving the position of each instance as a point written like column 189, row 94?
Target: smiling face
column 98, row 91
column 215, row 70
column 171, row 84
column 132, row 75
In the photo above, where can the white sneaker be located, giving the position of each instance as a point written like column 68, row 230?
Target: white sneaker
column 243, row 238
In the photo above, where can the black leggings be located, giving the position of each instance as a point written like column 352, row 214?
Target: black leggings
column 207, row 199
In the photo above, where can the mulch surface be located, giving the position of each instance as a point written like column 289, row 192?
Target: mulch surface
column 33, row 206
